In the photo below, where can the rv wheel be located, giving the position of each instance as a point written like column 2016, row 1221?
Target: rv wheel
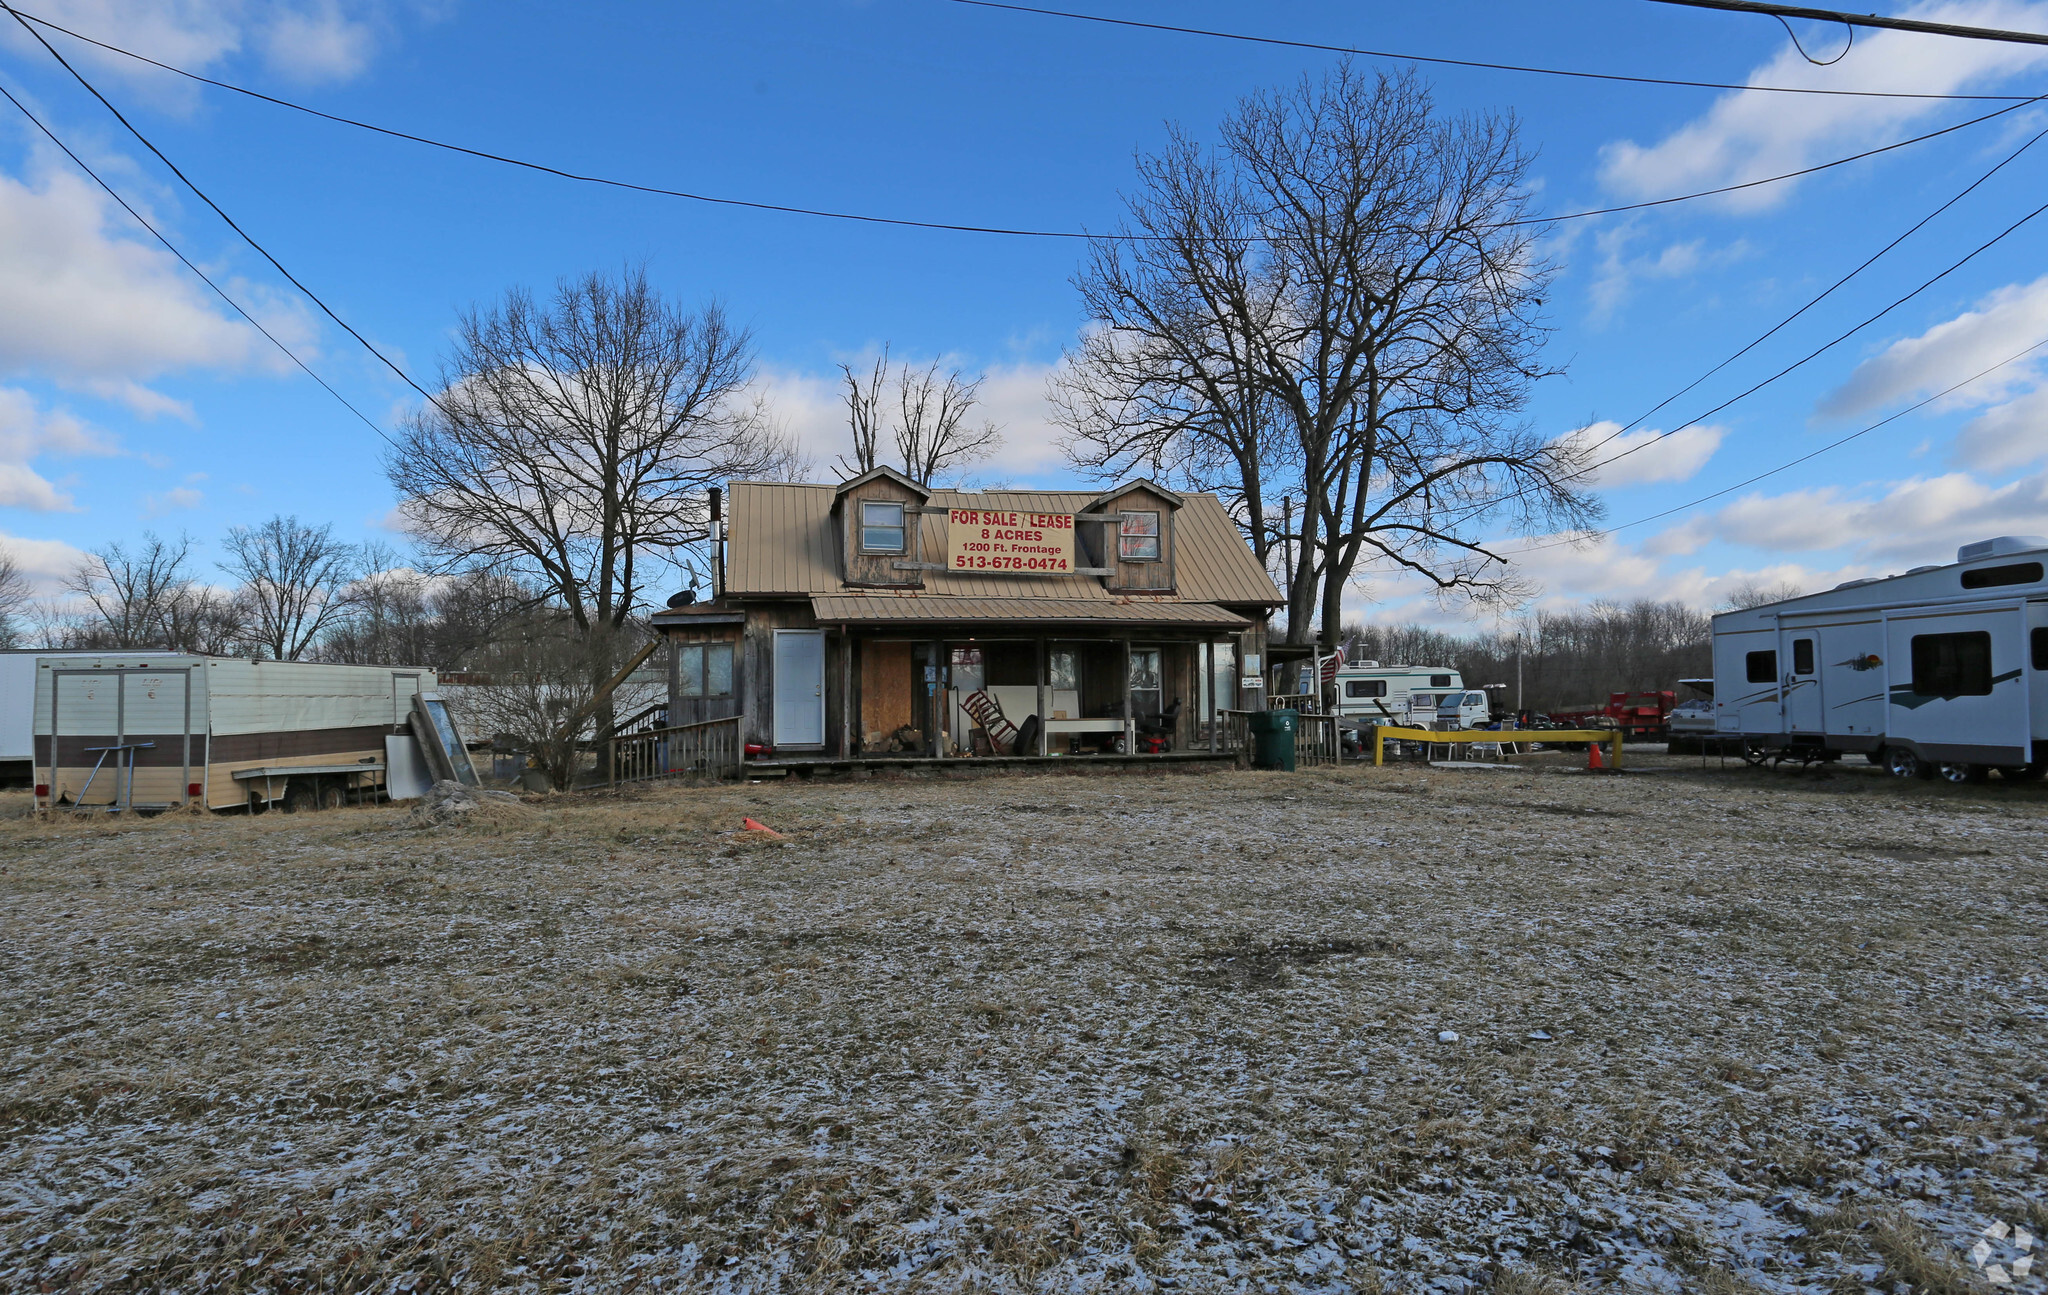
column 1902, row 763
column 332, row 796
column 1956, row 771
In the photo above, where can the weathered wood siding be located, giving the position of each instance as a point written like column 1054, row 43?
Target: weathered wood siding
column 1140, row 577
column 692, row 710
column 872, row 570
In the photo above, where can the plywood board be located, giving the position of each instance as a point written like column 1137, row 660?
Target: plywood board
column 885, row 688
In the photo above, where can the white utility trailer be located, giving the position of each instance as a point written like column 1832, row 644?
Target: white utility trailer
column 1930, row 673
column 156, row 730
column 18, row 711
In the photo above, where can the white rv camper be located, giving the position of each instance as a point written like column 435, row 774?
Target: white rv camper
column 155, row 730
column 1390, row 694
column 1930, row 673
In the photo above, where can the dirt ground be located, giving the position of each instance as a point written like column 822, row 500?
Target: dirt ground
column 1344, row 1030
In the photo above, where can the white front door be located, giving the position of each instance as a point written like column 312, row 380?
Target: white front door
column 799, row 687
column 1799, row 666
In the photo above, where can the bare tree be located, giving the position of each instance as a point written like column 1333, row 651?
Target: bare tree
column 294, row 579
column 1340, row 302
column 864, row 417
column 572, row 443
column 1755, row 593
column 14, row 596
column 932, row 431
column 138, row 598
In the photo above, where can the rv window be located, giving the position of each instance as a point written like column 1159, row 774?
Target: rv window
column 1802, row 656
column 2040, row 642
column 704, row 669
column 881, row 528
column 1377, row 687
column 1762, row 667
column 1952, row 665
column 1439, row 681
column 2016, row 573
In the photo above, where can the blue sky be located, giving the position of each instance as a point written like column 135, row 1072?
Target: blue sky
column 130, row 399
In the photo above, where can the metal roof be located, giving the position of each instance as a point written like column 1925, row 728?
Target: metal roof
column 781, row 541
column 928, row 610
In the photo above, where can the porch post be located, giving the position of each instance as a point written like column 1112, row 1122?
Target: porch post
column 1130, row 719
column 846, row 693
column 1043, row 715
column 1208, row 689
column 938, row 699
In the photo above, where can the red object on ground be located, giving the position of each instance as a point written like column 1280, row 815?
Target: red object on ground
column 755, row 825
column 1594, row 760
column 759, row 748
column 1641, row 716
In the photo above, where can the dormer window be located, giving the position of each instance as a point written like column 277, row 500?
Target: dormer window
column 881, row 527
column 1137, row 537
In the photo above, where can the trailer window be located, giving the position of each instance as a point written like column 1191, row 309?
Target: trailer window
column 2013, row 573
column 1761, row 667
column 1377, row 687
column 1802, row 656
column 705, row 669
column 1439, row 681
column 1952, row 665
column 2039, row 640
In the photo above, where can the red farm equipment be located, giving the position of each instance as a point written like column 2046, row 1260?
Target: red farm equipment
column 1641, row 716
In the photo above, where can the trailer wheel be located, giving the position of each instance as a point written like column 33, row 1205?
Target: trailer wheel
column 1957, row 771
column 299, row 797
column 1902, row 763
column 332, row 796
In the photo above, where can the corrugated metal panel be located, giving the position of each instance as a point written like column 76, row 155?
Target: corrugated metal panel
column 929, row 609
column 782, row 543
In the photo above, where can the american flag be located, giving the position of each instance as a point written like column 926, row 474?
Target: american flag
column 1330, row 668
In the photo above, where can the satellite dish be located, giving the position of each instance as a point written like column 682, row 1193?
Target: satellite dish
column 685, row 598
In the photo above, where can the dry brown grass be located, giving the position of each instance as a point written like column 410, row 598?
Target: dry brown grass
column 1726, row 1032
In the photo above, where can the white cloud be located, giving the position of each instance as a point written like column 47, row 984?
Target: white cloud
column 307, row 40
column 1747, row 136
column 83, row 304
column 45, row 562
column 2003, row 323
column 1651, row 455
column 1921, row 520
column 26, row 434
column 2007, row 435
column 1619, row 273
column 176, row 499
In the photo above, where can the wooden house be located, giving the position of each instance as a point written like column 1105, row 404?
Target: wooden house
column 880, row 618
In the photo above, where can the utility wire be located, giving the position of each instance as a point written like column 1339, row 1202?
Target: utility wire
column 863, row 218
column 171, row 247
column 1459, row 62
column 1784, row 11
column 1825, row 292
column 1583, row 536
column 201, row 193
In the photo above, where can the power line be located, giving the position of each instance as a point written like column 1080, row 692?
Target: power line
column 201, row 194
column 1825, row 293
column 203, row 277
column 1459, row 62
column 865, row 218
column 1854, row 20
column 1792, row 463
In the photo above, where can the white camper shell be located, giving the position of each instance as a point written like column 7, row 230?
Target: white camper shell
column 1939, row 670
column 1397, row 694
column 158, row 730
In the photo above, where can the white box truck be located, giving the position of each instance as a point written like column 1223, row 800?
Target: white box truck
column 158, row 730
column 1931, row 673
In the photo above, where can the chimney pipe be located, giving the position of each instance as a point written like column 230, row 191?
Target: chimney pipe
column 717, row 504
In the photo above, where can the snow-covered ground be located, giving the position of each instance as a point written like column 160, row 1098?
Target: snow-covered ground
column 1352, row 1030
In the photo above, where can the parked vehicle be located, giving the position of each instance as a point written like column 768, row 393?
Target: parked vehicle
column 155, row 730
column 1380, row 694
column 18, row 710
column 1931, row 673
column 1641, row 716
column 1454, row 710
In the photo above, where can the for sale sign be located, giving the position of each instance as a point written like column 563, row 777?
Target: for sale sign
column 981, row 539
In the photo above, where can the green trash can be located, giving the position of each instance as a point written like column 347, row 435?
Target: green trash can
column 1272, row 734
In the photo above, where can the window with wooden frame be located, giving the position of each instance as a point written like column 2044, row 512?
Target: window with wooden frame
column 881, row 527
column 704, row 669
column 1137, row 537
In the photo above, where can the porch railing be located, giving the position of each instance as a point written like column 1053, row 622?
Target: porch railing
column 1315, row 736
column 710, row 748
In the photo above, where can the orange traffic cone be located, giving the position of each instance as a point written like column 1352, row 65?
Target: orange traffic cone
column 1593, row 759
column 755, row 825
